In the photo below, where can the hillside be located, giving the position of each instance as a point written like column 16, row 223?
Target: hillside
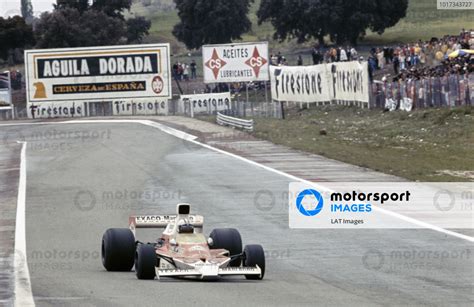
column 423, row 21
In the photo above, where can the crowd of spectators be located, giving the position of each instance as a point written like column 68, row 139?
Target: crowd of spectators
column 319, row 56
column 416, row 60
column 334, row 54
column 184, row 71
column 278, row 59
column 433, row 58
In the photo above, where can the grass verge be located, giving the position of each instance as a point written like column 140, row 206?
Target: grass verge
column 424, row 145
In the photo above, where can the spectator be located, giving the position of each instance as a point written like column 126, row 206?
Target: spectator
column 333, row 54
column 342, row 55
column 386, row 55
column 390, row 54
column 186, row 72
column 300, row 60
column 18, row 81
column 380, row 58
column 372, row 66
column 193, row 69
column 317, row 58
column 274, row 59
column 180, row 71
column 279, row 58
column 354, row 53
column 175, row 71
column 402, row 60
column 396, row 65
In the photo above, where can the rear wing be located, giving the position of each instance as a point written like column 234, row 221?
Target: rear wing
column 161, row 221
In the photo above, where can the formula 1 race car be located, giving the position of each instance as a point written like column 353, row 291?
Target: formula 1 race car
column 182, row 250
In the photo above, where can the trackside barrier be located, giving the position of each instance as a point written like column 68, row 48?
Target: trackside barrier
column 225, row 120
column 448, row 91
column 7, row 112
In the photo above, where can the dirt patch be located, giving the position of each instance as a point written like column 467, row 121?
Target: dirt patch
column 469, row 175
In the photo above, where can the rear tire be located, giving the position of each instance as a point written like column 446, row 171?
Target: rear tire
column 145, row 261
column 253, row 256
column 118, row 249
column 229, row 239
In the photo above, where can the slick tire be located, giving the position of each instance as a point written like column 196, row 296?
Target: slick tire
column 253, row 256
column 118, row 249
column 145, row 261
column 229, row 239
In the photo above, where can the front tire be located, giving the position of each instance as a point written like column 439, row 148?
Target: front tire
column 118, row 249
column 145, row 261
column 229, row 239
column 253, row 256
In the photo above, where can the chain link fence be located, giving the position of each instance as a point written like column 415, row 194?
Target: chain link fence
column 447, row 91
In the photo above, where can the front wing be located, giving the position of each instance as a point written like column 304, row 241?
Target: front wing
column 207, row 273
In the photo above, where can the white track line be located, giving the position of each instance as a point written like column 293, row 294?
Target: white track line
column 192, row 139
column 320, row 187
column 23, row 293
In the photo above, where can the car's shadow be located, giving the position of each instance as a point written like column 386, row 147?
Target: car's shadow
column 228, row 279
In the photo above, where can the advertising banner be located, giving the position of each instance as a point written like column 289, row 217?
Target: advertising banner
column 300, row 83
column 206, row 103
column 98, row 74
column 140, row 107
column 343, row 81
column 349, row 81
column 52, row 109
column 245, row 62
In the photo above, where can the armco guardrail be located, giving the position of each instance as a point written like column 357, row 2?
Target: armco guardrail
column 225, row 120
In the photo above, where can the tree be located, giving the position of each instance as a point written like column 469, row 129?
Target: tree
column 14, row 33
column 67, row 27
column 112, row 8
column 80, row 23
column 80, row 5
column 342, row 20
column 27, row 10
column 211, row 21
column 137, row 28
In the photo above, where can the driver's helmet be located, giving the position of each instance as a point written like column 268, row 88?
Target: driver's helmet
column 185, row 227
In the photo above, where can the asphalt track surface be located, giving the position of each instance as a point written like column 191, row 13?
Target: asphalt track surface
column 69, row 204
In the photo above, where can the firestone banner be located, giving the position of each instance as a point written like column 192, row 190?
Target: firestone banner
column 140, row 107
column 300, row 83
column 344, row 81
column 245, row 62
column 206, row 103
column 70, row 109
